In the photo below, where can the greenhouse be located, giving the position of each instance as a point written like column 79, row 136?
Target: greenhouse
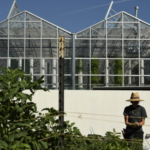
column 112, row 53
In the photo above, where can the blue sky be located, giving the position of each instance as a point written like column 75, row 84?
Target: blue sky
column 63, row 13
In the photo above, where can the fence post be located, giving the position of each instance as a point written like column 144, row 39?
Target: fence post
column 61, row 90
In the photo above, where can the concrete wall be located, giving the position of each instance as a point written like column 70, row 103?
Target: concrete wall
column 98, row 110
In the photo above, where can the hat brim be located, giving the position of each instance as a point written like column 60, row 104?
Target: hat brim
column 134, row 100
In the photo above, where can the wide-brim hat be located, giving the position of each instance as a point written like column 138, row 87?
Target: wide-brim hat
column 135, row 97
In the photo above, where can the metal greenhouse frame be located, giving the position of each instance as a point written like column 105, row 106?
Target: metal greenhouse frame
column 112, row 53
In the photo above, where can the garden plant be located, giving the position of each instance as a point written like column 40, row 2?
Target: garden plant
column 23, row 128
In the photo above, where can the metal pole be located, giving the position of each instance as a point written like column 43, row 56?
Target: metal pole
column 61, row 90
column 136, row 11
column 31, row 68
column 109, row 9
column 73, row 63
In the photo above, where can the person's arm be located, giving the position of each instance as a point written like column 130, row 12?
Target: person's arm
column 134, row 124
column 143, row 115
column 126, row 121
column 141, row 123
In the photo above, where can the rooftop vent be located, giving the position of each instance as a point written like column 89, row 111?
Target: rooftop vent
column 136, row 11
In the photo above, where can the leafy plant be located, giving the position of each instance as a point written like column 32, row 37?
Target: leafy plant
column 118, row 70
column 22, row 129
column 18, row 130
column 94, row 70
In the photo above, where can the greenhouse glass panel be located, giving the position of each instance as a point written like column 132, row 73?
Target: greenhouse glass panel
column 131, row 49
column 145, row 81
column 82, row 48
column 64, row 33
column 84, row 34
column 68, row 48
column 36, row 66
column 115, row 81
column 14, row 10
column 115, row 18
column 145, row 67
column 48, row 30
column 4, row 29
column 31, row 18
column 128, row 18
column 114, row 30
column 67, row 66
column 19, row 17
column 16, row 29
column 51, row 66
column 33, row 48
column 50, row 82
column 145, row 49
column 98, row 66
column 28, row 66
column 3, row 64
column 3, row 48
column 99, row 30
column 67, row 82
column 114, row 49
column 144, row 31
column 49, row 48
column 16, row 48
column 115, row 66
column 14, row 63
column 98, row 48
column 131, row 30
column 98, row 81
column 82, row 82
column 33, row 29
column 131, row 67
column 36, row 78
column 131, row 81
column 82, row 66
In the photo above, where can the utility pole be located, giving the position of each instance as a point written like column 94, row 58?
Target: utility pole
column 61, row 88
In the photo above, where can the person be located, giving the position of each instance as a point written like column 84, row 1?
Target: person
column 134, row 118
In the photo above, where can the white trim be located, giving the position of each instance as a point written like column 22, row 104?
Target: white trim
column 13, row 5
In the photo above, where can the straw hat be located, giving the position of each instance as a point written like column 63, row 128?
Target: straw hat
column 135, row 97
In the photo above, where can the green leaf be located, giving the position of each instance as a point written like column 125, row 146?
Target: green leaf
column 22, row 125
column 11, row 137
column 3, row 144
column 35, row 144
column 20, row 134
column 72, row 124
column 45, row 145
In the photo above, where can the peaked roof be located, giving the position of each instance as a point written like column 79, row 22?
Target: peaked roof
column 14, row 9
column 116, row 18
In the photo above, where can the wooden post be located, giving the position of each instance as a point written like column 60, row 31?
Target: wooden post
column 61, row 89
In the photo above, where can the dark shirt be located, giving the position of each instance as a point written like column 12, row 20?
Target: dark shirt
column 135, row 112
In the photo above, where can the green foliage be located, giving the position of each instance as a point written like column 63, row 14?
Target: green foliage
column 94, row 70
column 118, row 70
column 79, row 66
column 21, row 129
column 18, row 130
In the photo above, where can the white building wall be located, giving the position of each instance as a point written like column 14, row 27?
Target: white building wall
column 98, row 110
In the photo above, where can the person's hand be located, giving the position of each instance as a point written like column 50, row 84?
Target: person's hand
column 137, row 124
